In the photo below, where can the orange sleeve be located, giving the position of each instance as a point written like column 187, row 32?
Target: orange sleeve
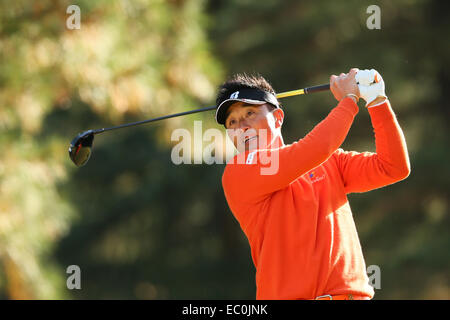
column 367, row 171
column 254, row 181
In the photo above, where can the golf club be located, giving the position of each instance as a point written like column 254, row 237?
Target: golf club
column 80, row 148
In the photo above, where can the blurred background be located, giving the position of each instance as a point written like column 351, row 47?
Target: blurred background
column 140, row 227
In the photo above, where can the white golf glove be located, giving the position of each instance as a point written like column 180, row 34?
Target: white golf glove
column 370, row 84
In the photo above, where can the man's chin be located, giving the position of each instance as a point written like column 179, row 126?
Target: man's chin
column 258, row 144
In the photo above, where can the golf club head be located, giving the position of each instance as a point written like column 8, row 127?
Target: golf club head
column 81, row 147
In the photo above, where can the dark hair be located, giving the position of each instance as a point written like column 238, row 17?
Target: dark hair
column 242, row 81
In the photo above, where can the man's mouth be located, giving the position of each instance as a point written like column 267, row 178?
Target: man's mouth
column 248, row 139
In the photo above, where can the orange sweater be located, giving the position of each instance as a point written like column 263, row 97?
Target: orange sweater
column 298, row 221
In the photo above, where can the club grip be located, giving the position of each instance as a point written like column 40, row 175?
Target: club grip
column 322, row 87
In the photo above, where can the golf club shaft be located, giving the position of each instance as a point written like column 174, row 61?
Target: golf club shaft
column 154, row 119
column 322, row 87
column 307, row 90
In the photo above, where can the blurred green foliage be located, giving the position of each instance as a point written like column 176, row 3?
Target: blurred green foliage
column 141, row 227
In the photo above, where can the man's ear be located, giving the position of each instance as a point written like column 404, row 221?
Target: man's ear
column 278, row 114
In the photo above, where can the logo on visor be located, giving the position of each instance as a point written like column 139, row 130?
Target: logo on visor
column 234, row 95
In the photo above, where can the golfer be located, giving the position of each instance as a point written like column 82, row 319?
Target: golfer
column 297, row 219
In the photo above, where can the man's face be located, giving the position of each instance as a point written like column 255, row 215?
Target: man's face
column 252, row 126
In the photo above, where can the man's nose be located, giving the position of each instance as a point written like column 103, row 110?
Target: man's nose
column 244, row 125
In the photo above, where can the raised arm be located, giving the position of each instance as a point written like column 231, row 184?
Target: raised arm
column 366, row 171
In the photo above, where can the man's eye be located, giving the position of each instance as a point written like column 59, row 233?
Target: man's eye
column 249, row 113
column 231, row 122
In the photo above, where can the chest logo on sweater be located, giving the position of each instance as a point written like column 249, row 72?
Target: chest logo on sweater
column 314, row 177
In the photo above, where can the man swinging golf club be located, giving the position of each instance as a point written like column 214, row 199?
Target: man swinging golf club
column 298, row 221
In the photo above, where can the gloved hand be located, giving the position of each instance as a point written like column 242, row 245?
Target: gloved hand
column 370, row 84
